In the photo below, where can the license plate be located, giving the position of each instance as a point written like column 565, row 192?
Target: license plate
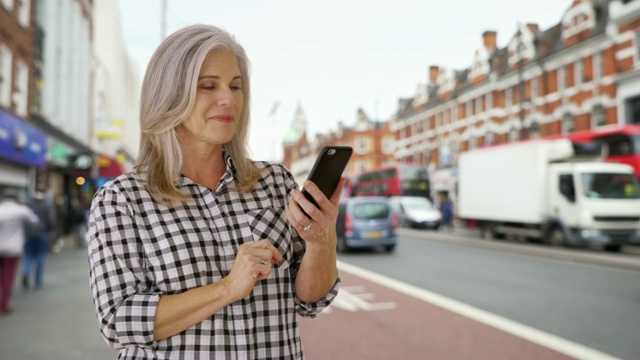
column 373, row 234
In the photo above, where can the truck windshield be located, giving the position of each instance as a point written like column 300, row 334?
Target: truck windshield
column 610, row 186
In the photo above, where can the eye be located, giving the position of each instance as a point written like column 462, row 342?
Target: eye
column 235, row 87
column 208, row 86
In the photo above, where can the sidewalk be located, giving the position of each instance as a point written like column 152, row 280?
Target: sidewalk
column 57, row 320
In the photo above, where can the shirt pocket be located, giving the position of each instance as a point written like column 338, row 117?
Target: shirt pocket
column 272, row 224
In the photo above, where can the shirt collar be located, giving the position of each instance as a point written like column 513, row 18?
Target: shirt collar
column 228, row 176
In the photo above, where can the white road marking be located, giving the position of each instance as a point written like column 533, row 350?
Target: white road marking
column 539, row 337
column 353, row 299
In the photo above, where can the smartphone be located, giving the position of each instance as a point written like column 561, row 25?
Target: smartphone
column 327, row 169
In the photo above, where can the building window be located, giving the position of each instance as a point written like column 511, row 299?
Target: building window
column 508, row 94
column 362, row 165
column 21, row 95
column 637, row 39
column 488, row 138
column 513, row 135
column 468, row 110
column 577, row 72
column 479, row 104
column 534, row 130
column 361, row 145
column 598, row 116
column 597, row 65
column 489, row 100
column 8, row 4
column 387, row 145
column 567, row 125
column 6, row 59
column 561, row 78
column 24, row 12
column 472, row 143
column 534, row 88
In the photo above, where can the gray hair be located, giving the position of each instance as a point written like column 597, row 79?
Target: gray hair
column 168, row 96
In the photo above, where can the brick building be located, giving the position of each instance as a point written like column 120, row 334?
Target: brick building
column 372, row 142
column 582, row 73
column 23, row 147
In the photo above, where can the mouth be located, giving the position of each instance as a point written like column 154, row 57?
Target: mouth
column 227, row 119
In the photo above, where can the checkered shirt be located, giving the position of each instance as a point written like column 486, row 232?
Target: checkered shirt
column 140, row 250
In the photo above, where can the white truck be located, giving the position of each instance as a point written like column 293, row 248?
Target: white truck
column 550, row 190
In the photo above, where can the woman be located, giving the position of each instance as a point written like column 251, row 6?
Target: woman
column 201, row 252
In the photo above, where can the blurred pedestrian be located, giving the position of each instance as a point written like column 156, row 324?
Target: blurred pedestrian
column 14, row 217
column 446, row 211
column 39, row 237
column 201, row 252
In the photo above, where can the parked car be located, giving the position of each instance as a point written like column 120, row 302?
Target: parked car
column 416, row 212
column 366, row 222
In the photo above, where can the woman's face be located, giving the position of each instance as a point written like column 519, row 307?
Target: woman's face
column 218, row 104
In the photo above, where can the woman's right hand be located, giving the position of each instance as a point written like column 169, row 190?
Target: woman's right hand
column 249, row 267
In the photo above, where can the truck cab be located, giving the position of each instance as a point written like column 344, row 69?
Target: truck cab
column 593, row 203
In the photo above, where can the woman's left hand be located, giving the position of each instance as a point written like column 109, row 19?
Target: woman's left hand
column 320, row 224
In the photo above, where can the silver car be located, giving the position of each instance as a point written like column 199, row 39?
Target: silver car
column 416, row 212
column 366, row 222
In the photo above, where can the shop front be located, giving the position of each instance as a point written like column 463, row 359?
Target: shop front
column 23, row 149
column 444, row 184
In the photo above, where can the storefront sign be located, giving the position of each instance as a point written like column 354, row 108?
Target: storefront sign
column 20, row 142
column 58, row 154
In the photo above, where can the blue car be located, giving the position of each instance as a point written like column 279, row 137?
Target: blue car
column 366, row 222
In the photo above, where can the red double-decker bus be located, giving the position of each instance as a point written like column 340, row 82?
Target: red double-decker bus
column 623, row 143
column 399, row 179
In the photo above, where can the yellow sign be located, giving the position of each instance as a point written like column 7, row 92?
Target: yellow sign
column 109, row 129
column 104, row 161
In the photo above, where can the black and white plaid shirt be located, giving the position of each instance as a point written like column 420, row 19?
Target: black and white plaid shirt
column 140, row 250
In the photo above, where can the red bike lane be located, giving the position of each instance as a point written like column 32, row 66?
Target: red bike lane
column 372, row 319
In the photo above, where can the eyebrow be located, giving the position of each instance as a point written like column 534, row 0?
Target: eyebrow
column 216, row 77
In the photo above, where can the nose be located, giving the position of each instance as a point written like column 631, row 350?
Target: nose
column 226, row 98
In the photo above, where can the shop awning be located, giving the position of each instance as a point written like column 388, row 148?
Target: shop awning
column 20, row 142
column 108, row 167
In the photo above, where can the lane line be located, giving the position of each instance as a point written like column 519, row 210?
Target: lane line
column 539, row 337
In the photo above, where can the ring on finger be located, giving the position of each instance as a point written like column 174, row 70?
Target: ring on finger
column 263, row 261
column 308, row 226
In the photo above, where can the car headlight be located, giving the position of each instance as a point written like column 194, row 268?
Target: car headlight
column 590, row 233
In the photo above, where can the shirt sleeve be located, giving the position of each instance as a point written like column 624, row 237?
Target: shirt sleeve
column 308, row 310
column 30, row 217
column 124, row 306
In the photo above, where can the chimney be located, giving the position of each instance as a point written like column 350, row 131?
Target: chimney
column 533, row 27
column 490, row 39
column 434, row 71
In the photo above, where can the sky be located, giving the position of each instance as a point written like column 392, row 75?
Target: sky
column 335, row 56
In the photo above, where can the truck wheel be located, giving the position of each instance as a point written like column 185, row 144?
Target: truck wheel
column 487, row 231
column 556, row 237
column 613, row 247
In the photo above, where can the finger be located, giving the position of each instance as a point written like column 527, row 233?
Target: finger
column 298, row 203
column 317, row 194
column 268, row 251
column 337, row 193
column 292, row 219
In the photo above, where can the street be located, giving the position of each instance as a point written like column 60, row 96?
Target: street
column 438, row 296
column 55, row 321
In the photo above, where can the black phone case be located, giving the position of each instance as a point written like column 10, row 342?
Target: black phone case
column 328, row 169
